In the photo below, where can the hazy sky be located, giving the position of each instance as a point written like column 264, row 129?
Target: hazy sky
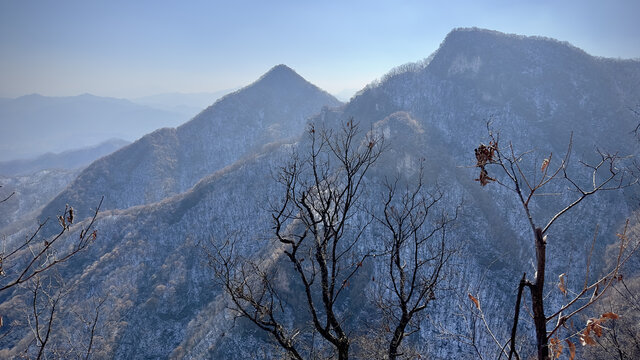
column 134, row 48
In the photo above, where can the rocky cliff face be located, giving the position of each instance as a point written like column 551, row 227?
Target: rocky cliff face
column 148, row 257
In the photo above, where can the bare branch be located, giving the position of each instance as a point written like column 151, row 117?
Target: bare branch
column 8, row 197
column 605, row 176
column 416, row 257
column 41, row 257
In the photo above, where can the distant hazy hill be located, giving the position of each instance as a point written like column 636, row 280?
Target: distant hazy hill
column 536, row 91
column 171, row 160
column 345, row 95
column 33, row 125
column 70, row 159
column 188, row 104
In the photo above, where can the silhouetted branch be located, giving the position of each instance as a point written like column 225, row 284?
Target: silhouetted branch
column 42, row 256
column 416, row 257
column 605, row 176
column 311, row 221
column 8, row 197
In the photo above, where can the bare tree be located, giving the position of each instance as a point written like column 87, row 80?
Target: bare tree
column 317, row 239
column 604, row 176
column 43, row 313
column 35, row 256
column 33, row 263
column 311, row 223
column 417, row 253
column 48, row 295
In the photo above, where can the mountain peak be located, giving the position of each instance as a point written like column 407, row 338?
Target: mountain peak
column 281, row 74
column 477, row 38
column 473, row 30
column 281, row 68
column 87, row 96
column 468, row 52
column 27, row 97
column 480, row 33
column 281, row 79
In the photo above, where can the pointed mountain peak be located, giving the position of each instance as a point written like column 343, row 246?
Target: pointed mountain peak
column 281, row 79
column 281, row 74
column 281, row 68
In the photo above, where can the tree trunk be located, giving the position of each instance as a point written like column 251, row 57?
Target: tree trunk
column 537, row 298
column 398, row 335
column 343, row 349
column 516, row 316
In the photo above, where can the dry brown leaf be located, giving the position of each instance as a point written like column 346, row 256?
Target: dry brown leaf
column 556, row 347
column 545, row 163
column 484, row 177
column 475, row 301
column 594, row 325
column 585, row 340
column 561, row 285
column 609, row 315
column 597, row 329
column 572, row 349
column 558, row 350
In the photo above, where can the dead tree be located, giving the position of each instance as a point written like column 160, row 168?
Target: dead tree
column 605, row 176
column 33, row 260
column 311, row 223
column 35, row 256
column 417, row 254
column 48, row 295
column 45, row 302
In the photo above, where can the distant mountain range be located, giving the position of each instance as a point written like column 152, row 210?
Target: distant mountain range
column 152, row 112
column 189, row 104
column 33, row 125
column 70, row 159
column 174, row 189
column 346, row 94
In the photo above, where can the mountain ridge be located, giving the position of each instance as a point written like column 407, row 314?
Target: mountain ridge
column 149, row 255
column 69, row 159
column 237, row 124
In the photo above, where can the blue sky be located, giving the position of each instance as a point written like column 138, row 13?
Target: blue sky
column 137, row 48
